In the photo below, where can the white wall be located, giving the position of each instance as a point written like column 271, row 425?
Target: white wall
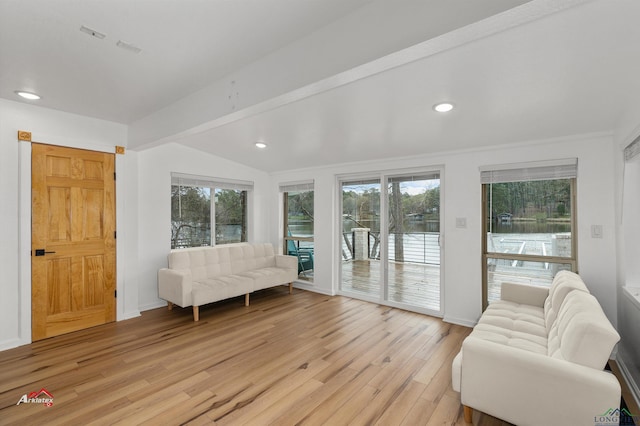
column 59, row 128
column 142, row 202
column 154, row 231
column 144, row 211
column 461, row 188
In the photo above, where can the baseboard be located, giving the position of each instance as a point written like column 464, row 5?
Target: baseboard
column 12, row 343
column 129, row 315
column 309, row 287
column 459, row 321
column 154, row 305
column 631, row 383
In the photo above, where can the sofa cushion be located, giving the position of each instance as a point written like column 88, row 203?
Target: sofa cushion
column 220, row 288
column 267, row 277
column 248, row 257
column 203, row 262
column 582, row 333
column 563, row 283
column 513, row 324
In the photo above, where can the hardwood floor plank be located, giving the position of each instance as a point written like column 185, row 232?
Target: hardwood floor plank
column 401, row 406
column 189, row 412
column 79, row 412
column 347, row 394
column 305, row 358
column 347, row 412
column 447, row 411
column 419, row 413
column 310, row 402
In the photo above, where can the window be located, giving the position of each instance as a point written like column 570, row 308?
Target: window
column 630, row 211
column 231, row 216
column 529, row 214
column 299, row 225
column 200, row 204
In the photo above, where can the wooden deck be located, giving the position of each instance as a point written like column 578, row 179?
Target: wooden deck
column 411, row 283
column 301, row 359
column 419, row 284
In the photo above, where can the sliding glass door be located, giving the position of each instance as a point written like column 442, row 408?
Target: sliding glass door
column 390, row 240
column 360, row 238
column 413, row 263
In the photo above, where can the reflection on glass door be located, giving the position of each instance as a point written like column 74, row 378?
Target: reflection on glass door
column 413, row 261
column 360, row 238
column 390, row 240
column 298, row 227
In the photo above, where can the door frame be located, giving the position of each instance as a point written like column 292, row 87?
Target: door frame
column 383, row 175
column 24, row 225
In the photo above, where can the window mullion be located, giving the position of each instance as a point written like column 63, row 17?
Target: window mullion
column 212, row 213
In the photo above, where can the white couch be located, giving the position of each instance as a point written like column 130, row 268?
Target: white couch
column 537, row 357
column 200, row 275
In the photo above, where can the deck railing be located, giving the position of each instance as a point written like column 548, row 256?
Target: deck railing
column 419, row 247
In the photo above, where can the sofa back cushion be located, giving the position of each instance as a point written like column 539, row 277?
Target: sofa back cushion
column 563, row 283
column 247, row 257
column 582, row 333
column 208, row 262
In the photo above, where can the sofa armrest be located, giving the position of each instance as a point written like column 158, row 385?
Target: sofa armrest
column 286, row 261
column 523, row 387
column 175, row 286
column 524, row 294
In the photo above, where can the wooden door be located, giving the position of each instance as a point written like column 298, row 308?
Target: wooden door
column 73, row 254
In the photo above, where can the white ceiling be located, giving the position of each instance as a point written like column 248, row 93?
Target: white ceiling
column 570, row 72
column 186, row 44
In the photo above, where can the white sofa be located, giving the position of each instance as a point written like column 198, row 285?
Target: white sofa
column 537, row 357
column 200, row 275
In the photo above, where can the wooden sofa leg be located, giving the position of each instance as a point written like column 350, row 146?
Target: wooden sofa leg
column 246, row 299
column 468, row 413
column 170, row 305
column 290, row 288
column 196, row 314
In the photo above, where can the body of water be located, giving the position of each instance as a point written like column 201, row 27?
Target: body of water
column 531, row 227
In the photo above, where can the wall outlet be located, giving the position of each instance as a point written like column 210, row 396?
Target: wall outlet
column 461, row 222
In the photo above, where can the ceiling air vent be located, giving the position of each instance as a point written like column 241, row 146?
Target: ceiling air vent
column 92, row 33
column 128, row 46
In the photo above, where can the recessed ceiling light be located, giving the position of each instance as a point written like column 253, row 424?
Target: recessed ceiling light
column 261, row 145
column 27, row 95
column 443, row 107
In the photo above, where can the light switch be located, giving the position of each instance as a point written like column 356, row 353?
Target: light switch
column 596, row 231
column 461, row 222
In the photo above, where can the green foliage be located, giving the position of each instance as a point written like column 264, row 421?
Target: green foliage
column 190, row 205
column 561, row 209
column 190, row 216
column 300, row 205
column 532, row 199
column 229, row 207
column 363, row 207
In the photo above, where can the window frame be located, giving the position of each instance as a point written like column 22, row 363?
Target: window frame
column 486, row 255
column 285, row 189
column 213, row 184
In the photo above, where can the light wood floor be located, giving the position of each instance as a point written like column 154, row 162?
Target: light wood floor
column 287, row 359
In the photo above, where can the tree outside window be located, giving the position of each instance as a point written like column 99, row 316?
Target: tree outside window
column 194, row 214
column 529, row 225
